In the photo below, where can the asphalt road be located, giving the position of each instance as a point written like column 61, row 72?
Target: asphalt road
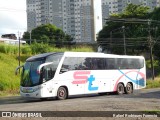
column 141, row 100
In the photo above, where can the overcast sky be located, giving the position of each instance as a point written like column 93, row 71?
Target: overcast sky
column 13, row 16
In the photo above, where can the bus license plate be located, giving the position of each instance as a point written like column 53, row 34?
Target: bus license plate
column 27, row 95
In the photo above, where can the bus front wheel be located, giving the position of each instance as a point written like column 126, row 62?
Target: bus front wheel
column 129, row 88
column 61, row 93
column 120, row 89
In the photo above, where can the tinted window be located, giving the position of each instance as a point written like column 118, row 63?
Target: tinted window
column 82, row 63
column 49, row 70
column 30, row 77
column 124, row 63
column 111, row 63
column 55, row 59
column 69, row 63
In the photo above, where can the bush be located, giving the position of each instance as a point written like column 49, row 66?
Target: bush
column 8, row 49
column 40, row 48
column 153, row 83
column 2, row 48
column 26, row 50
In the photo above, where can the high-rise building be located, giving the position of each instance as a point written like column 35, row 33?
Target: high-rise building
column 151, row 3
column 82, row 19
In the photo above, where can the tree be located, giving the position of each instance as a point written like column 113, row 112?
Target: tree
column 26, row 35
column 155, row 15
column 48, row 34
column 112, row 35
column 135, row 11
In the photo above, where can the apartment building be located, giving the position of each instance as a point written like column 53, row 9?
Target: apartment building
column 82, row 19
column 151, row 3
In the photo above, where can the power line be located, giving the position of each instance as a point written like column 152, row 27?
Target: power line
column 148, row 22
column 11, row 10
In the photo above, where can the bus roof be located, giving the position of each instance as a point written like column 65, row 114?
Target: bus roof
column 41, row 56
column 81, row 54
column 96, row 54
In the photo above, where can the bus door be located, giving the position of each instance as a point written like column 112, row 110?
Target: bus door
column 47, row 74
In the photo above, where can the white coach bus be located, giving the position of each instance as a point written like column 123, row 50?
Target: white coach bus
column 73, row 73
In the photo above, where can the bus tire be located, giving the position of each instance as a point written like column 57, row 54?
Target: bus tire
column 120, row 89
column 129, row 88
column 62, row 93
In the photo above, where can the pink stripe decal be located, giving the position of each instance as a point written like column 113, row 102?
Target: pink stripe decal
column 140, row 73
column 80, row 77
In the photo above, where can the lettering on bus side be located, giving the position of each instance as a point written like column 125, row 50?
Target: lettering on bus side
column 81, row 77
column 90, row 80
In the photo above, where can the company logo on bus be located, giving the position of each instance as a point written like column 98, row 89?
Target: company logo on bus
column 138, row 79
column 81, row 77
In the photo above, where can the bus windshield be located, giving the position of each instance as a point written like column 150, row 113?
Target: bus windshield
column 30, row 77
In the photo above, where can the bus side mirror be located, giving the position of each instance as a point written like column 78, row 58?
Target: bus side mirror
column 63, row 70
column 42, row 65
column 16, row 71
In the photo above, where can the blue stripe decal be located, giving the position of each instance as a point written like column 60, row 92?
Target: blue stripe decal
column 138, row 82
column 137, row 74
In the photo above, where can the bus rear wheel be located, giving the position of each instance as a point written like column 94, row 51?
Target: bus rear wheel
column 61, row 93
column 129, row 88
column 120, row 89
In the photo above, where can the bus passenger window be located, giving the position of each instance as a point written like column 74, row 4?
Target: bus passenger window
column 94, row 64
column 69, row 63
column 100, row 64
column 83, row 64
column 111, row 63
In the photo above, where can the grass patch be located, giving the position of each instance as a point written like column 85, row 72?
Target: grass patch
column 8, row 81
column 153, row 83
column 9, row 93
column 38, row 48
column 156, row 112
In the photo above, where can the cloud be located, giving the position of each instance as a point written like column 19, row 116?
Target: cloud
column 12, row 16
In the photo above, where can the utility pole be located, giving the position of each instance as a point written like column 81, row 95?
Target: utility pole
column 19, row 58
column 151, row 48
column 111, row 42
column 150, row 41
column 30, row 36
column 124, row 39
